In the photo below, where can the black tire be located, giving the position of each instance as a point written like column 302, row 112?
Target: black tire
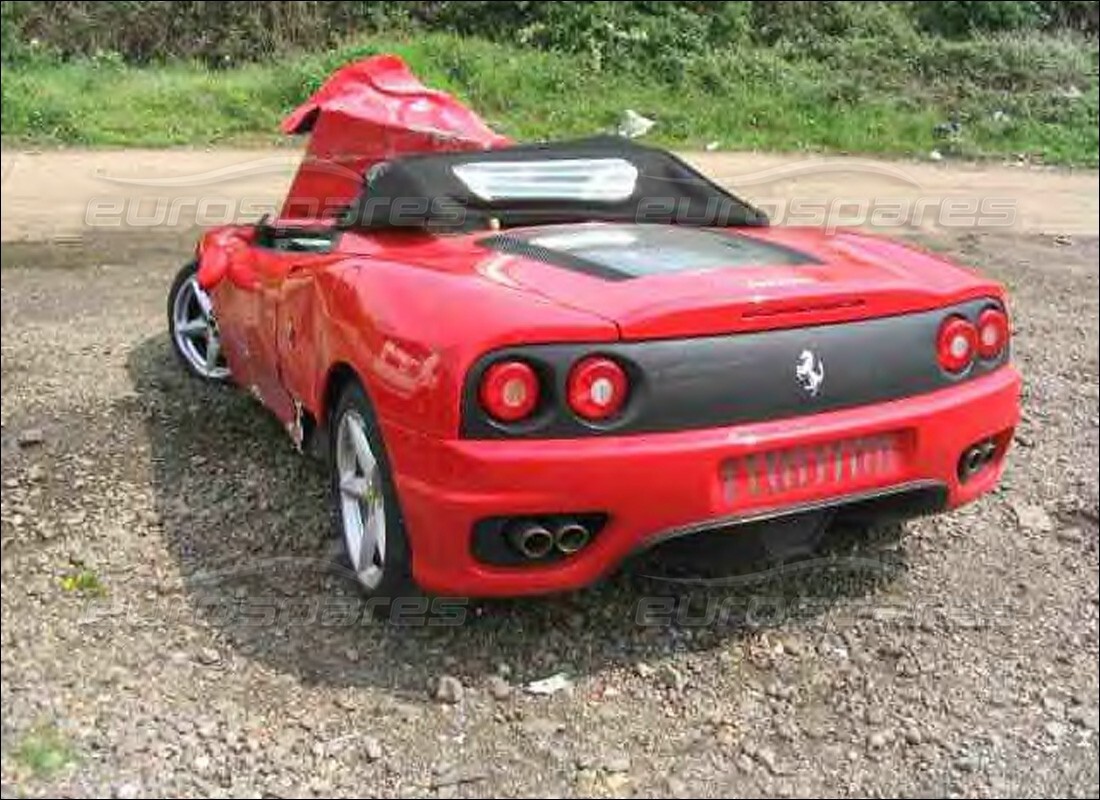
column 181, row 284
column 396, row 580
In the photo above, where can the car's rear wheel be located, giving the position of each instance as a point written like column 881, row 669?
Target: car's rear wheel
column 374, row 548
column 193, row 327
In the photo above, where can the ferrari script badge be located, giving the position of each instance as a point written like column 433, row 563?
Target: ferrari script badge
column 810, row 372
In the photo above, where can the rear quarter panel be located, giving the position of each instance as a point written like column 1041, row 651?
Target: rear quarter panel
column 410, row 334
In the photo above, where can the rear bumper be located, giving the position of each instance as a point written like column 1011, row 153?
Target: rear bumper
column 654, row 485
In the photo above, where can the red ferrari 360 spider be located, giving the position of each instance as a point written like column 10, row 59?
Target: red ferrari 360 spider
column 526, row 362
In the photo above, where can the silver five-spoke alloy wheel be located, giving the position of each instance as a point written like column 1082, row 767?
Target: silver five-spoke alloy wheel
column 362, row 502
column 196, row 331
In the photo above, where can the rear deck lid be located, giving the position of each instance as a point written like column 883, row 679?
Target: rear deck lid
column 657, row 281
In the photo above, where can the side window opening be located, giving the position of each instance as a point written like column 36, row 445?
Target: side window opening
column 295, row 239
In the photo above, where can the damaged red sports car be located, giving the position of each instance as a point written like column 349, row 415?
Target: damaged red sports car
column 524, row 363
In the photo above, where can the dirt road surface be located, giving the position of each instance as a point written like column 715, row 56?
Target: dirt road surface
column 169, row 625
column 59, row 193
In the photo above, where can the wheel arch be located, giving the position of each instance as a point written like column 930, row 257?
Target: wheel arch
column 338, row 376
column 318, row 420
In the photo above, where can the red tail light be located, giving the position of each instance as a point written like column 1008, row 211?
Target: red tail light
column 509, row 391
column 957, row 344
column 992, row 332
column 597, row 388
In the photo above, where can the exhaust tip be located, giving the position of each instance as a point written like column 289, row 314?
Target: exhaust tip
column 571, row 537
column 976, row 457
column 531, row 539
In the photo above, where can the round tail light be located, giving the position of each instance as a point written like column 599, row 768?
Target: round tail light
column 597, row 388
column 957, row 343
column 509, row 391
column 992, row 332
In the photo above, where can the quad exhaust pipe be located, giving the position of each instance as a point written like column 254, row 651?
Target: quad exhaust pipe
column 535, row 541
column 569, row 537
column 976, row 457
column 531, row 539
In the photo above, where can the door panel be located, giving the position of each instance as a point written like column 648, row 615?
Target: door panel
column 272, row 266
column 298, row 340
column 235, row 305
column 247, row 303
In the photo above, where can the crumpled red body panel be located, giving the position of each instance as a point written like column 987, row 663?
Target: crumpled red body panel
column 366, row 112
column 218, row 251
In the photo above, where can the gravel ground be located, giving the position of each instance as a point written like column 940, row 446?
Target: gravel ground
column 169, row 626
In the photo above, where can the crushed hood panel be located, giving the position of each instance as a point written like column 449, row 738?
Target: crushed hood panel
column 371, row 111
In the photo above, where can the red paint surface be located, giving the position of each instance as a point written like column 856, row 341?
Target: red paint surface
column 410, row 312
column 652, row 484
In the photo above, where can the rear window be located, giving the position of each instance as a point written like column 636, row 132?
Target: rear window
column 622, row 252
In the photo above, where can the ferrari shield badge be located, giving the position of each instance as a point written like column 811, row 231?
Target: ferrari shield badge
column 810, row 372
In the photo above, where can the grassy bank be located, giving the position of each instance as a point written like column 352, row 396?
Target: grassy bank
column 1011, row 94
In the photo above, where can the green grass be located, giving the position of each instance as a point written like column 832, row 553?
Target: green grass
column 83, row 580
column 43, row 751
column 860, row 97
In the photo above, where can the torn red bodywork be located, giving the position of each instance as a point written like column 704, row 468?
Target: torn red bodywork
column 364, row 113
column 411, row 315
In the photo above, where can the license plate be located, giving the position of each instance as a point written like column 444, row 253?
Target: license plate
column 812, row 470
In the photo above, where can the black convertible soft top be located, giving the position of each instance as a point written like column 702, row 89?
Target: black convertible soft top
column 605, row 178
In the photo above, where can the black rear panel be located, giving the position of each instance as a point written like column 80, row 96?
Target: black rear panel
column 679, row 384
